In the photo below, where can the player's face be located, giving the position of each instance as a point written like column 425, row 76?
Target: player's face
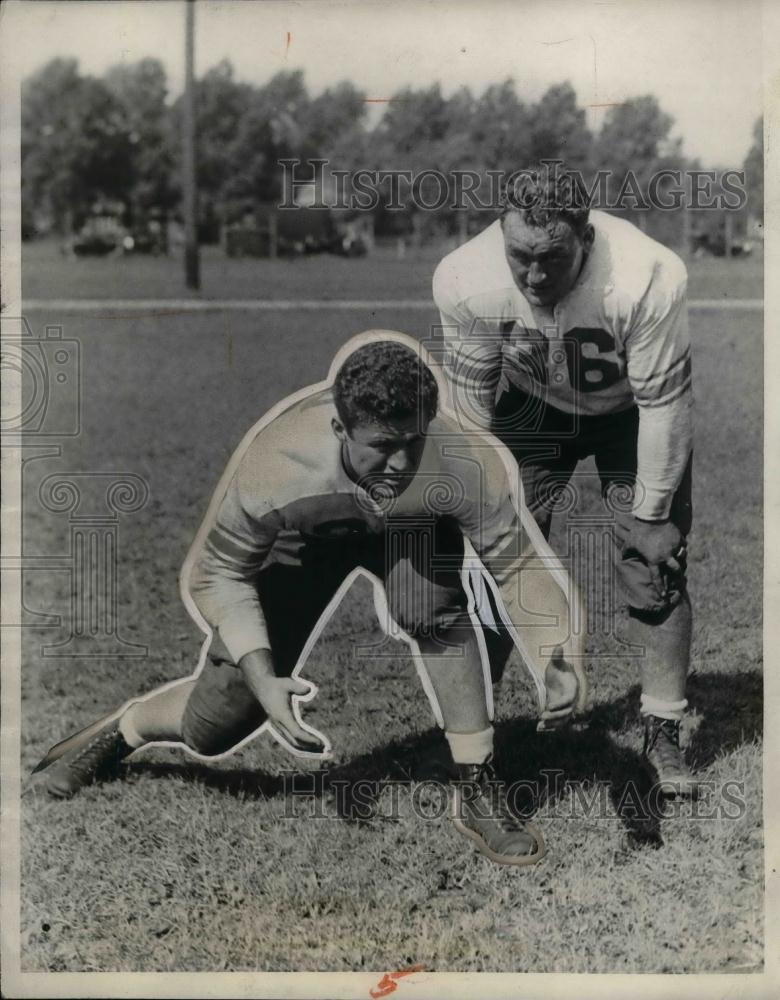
column 382, row 455
column 545, row 263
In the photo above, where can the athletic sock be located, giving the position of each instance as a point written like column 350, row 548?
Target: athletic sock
column 662, row 709
column 471, row 748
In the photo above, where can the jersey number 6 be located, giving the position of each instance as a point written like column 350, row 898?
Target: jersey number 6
column 582, row 349
column 588, row 369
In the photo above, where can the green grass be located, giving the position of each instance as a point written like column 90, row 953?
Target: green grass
column 186, row 867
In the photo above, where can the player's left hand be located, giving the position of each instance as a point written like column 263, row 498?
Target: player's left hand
column 661, row 545
column 565, row 692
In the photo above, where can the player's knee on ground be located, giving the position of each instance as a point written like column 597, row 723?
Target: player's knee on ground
column 221, row 711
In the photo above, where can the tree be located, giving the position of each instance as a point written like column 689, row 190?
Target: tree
column 412, row 136
column 635, row 134
column 271, row 128
column 635, row 143
column 221, row 104
column 501, row 128
column 141, row 89
column 559, row 129
column 76, row 145
column 754, row 171
column 413, row 125
column 337, row 113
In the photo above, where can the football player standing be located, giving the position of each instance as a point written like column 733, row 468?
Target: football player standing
column 360, row 473
column 566, row 333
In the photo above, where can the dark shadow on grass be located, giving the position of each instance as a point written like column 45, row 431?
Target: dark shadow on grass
column 398, row 761
column 730, row 706
column 240, row 782
column 521, row 755
column 585, row 757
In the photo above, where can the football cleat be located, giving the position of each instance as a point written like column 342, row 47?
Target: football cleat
column 480, row 812
column 663, row 760
column 99, row 759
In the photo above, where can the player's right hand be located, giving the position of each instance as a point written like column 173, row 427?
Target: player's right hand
column 662, row 546
column 275, row 695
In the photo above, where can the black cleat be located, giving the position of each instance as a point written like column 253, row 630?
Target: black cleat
column 98, row 759
column 663, row 760
column 480, row 811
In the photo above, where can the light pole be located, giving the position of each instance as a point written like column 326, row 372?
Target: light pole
column 189, row 180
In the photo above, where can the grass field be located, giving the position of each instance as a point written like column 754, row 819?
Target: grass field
column 48, row 275
column 186, row 867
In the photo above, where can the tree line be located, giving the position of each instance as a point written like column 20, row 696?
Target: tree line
column 117, row 138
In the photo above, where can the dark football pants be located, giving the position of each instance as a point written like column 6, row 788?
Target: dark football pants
column 420, row 567
column 547, row 445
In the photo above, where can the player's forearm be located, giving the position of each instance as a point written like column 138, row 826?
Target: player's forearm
column 230, row 606
column 663, row 448
column 257, row 666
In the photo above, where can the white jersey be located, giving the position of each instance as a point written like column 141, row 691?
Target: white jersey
column 290, row 491
column 619, row 338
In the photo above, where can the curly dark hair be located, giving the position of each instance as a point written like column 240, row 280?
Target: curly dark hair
column 545, row 194
column 384, row 380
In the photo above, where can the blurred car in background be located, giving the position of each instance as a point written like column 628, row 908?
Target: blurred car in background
column 267, row 232
column 150, row 237
column 713, row 244
column 98, row 237
column 104, row 233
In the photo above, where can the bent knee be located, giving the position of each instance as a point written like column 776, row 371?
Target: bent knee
column 220, row 713
column 205, row 741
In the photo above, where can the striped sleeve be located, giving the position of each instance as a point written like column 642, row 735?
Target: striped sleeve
column 658, row 355
column 222, row 579
column 658, row 351
column 472, row 353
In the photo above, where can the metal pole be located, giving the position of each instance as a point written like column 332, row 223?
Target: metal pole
column 189, row 181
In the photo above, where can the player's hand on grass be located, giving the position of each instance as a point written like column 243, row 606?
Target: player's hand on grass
column 661, row 545
column 275, row 695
